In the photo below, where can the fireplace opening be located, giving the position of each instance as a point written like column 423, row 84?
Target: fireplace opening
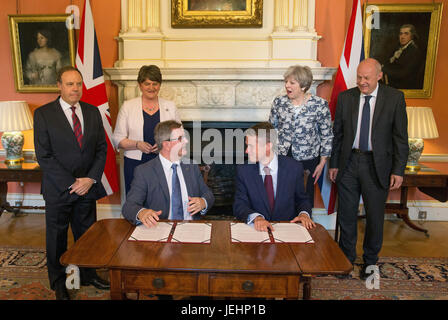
column 218, row 146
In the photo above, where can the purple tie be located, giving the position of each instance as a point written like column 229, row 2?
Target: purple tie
column 76, row 126
column 268, row 185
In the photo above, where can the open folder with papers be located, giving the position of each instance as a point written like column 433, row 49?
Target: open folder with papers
column 175, row 232
column 284, row 232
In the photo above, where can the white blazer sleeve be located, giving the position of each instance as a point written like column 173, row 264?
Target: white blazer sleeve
column 121, row 126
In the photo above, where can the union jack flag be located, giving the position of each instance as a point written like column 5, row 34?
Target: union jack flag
column 345, row 79
column 88, row 61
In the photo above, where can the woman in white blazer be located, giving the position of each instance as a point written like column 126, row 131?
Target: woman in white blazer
column 134, row 130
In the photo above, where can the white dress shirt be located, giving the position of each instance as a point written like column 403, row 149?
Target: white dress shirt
column 372, row 102
column 166, row 165
column 68, row 113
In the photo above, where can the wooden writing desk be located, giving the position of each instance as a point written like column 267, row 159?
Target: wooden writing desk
column 220, row 268
column 28, row 172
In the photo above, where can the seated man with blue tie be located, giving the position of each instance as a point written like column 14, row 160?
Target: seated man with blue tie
column 165, row 187
column 270, row 187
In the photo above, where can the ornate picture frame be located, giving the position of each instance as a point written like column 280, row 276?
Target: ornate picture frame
column 216, row 13
column 40, row 46
column 407, row 65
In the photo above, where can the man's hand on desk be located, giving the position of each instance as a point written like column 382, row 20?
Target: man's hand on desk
column 261, row 224
column 305, row 220
column 149, row 217
column 195, row 205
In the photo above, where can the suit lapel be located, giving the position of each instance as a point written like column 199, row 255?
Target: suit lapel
column 379, row 105
column 187, row 177
column 355, row 111
column 63, row 121
column 162, row 181
column 282, row 177
column 87, row 124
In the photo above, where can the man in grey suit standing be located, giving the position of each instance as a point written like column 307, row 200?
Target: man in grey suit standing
column 370, row 150
column 165, row 187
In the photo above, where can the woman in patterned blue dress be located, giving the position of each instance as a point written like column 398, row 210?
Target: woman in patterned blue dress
column 303, row 123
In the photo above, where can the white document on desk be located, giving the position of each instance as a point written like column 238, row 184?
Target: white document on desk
column 241, row 232
column 291, row 232
column 158, row 233
column 186, row 232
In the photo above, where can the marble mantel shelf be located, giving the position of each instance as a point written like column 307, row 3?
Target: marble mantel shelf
column 185, row 74
column 216, row 94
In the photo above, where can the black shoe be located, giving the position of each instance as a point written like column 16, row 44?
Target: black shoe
column 97, row 282
column 61, row 292
column 343, row 276
column 363, row 275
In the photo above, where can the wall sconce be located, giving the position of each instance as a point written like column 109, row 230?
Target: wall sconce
column 421, row 125
column 15, row 116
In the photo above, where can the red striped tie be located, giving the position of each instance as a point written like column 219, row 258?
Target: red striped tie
column 76, row 126
column 269, row 187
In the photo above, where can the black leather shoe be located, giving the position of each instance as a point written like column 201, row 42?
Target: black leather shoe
column 61, row 293
column 97, row 282
column 343, row 276
column 363, row 275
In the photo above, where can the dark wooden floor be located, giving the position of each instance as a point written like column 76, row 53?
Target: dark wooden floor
column 399, row 239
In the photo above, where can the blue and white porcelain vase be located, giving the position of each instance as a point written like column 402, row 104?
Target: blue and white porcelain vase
column 13, row 144
column 415, row 151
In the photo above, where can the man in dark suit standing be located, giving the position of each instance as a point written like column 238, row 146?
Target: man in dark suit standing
column 71, row 150
column 270, row 187
column 165, row 187
column 370, row 150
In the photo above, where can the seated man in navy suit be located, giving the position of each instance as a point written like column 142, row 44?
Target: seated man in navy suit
column 270, row 187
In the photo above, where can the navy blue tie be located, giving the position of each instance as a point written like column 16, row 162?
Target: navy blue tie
column 365, row 123
column 176, row 196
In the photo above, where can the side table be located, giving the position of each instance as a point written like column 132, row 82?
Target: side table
column 428, row 180
column 27, row 172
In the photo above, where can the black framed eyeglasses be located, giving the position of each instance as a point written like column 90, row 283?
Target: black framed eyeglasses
column 180, row 138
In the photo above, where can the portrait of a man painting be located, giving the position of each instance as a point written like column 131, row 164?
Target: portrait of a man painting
column 403, row 38
column 401, row 48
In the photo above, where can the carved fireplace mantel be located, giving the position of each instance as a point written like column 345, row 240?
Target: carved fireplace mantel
column 218, row 94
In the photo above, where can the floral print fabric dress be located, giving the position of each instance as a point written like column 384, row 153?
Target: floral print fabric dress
column 306, row 129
